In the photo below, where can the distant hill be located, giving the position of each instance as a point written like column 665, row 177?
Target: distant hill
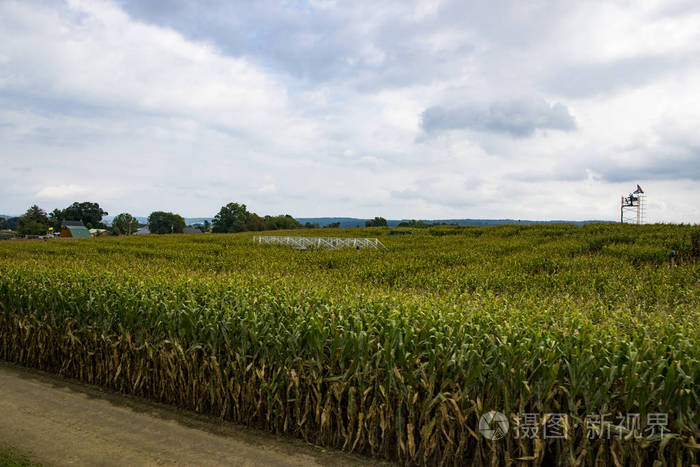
column 144, row 220
column 356, row 222
column 324, row 221
column 346, row 222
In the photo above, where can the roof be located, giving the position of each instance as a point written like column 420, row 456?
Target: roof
column 142, row 231
column 73, row 223
column 78, row 231
column 191, row 230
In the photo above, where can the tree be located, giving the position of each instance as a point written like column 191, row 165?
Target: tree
column 231, row 218
column 333, row 225
column 33, row 222
column 376, row 222
column 10, row 223
column 255, row 223
column 207, row 226
column 281, row 222
column 33, row 228
column 56, row 218
column 160, row 222
column 90, row 214
column 414, row 223
column 235, row 217
column 125, row 224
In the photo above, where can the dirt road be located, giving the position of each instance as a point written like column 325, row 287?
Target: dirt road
column 58, row 422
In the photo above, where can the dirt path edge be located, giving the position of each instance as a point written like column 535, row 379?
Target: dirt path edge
column 63, row 422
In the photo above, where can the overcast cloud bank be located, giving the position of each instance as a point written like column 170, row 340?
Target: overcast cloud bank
column 519, row 118
column 428, row 109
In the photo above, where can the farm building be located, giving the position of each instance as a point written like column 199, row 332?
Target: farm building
column 97, row 232
column 191, row 230
column 74, row 229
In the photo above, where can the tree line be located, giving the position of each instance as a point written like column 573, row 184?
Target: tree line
column 35, row 221
column 231, row 218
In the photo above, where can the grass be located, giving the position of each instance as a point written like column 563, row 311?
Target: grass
column 394, row 353
column 11, row 458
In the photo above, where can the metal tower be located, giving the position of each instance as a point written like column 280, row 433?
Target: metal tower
column 633, row 207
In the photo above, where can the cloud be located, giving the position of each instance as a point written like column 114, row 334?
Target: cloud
column 518, row 117
column 425, row 109
column 449, row 190
column 669, row 151
column 267, row 189
column 61, row 191
column 659, row 169
column 590, row 79
column 94, row 60
column 673, row 154
column 318, row 42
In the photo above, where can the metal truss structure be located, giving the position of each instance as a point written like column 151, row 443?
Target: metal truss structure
column 333, row 243
column 633, row 209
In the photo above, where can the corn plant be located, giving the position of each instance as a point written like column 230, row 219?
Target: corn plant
column 394, row 354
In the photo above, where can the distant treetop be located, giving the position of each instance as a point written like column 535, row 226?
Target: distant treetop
column 376, row 222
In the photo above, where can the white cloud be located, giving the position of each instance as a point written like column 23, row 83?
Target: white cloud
column 267, row 189
column 618, row 31
column 93, row 53
column 61, row 191
column 316, row 109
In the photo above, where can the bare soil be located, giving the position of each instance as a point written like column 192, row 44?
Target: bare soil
column 60, row 422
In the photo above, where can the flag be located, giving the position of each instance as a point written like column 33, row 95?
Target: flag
column 639, row 190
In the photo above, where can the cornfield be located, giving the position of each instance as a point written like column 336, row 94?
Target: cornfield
column 394, row 354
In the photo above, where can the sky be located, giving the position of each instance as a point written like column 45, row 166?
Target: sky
column 430, row 109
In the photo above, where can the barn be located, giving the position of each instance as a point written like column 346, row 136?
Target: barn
column 74, row 229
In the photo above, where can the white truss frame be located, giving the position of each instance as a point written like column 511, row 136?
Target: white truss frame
column 633, row 212
column 333, row 243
